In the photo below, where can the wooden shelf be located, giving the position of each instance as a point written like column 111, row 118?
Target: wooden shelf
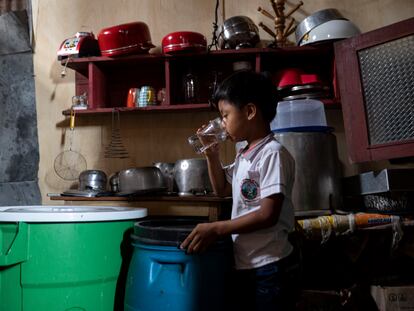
column 106, row 80
column 187, row 199
column 213, row 207
column 180, row 107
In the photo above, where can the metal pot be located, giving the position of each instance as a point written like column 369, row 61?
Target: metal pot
column 184, row 41
column 114, row 182
column 240, row 32
column 191, row 176
column 131, row 38
column 167, row 170
column 92, row 180
column 318, row 175
column 141, row 180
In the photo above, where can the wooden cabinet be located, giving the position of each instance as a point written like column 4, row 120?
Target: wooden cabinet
column 375, row 74
column 107, row 80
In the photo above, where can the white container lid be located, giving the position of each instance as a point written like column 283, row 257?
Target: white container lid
column 50, row 213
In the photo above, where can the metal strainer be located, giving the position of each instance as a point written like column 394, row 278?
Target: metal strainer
column 69, row 164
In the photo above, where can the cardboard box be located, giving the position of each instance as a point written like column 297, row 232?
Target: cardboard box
column 393, row 298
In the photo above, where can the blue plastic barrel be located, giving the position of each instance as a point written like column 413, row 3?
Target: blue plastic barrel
column 163, row 277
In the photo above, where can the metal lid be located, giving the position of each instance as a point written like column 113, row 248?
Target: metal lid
column 45, row 213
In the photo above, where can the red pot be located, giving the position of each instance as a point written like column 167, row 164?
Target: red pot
column 184, row 41
column 131, row 38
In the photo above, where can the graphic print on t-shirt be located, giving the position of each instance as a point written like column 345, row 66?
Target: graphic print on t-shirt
column 249, row 189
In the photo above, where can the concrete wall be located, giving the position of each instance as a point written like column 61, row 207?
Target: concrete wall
column 151, row 136
column 19, row 156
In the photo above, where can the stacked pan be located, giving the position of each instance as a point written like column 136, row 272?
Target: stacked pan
column 295, row 83
column 324, row 25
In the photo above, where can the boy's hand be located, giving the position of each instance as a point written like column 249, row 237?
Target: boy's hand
column 200, row 238
column 212, row 150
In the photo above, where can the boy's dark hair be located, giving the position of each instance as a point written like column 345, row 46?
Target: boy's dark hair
column 245, row 87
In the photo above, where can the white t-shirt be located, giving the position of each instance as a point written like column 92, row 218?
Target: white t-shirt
column 265, row 169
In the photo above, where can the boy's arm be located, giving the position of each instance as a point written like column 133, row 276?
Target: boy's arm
column 221, row 186
column 206, row 233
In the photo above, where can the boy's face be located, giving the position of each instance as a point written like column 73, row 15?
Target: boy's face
column 235, row 120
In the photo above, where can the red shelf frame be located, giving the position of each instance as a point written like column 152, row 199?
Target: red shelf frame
column 94, row 75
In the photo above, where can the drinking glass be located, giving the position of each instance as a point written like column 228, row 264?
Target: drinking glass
column 210, row 135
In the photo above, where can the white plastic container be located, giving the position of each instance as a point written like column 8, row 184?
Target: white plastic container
column 299, row 113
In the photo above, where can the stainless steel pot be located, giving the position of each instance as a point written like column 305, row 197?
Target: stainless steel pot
column 92, row 180
column 191, row 176
column 240, row 32
column 318, row 174
column 140, row 180
column 167, row 170
column 114, row 182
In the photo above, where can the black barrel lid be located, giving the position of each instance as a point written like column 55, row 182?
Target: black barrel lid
column 166, row 232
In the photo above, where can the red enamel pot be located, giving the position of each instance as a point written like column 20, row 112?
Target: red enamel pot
column 131, row 38
column 184, row 41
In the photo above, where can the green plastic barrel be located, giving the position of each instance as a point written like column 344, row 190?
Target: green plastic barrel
column 64, row 258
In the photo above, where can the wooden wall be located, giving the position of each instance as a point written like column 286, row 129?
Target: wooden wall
column 151, row 136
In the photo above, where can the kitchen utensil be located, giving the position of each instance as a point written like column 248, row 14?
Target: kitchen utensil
column 80, row 102
column 240, row 32
column 141, row 180
column 130, row 38
column 132, row 98
column 82, row 44
column 316, row 95
column 80, row 193
column 280, row 18
column 191, row 176
column 288, row 77
column 92, row 180
column 167, row 170
column 317, row 187
column 183, row 42
column 116, row 148
column 331, row 30
column 68, row 164
column 161, row 96
column 315, row 20
column 147, row 96
column 191, row 88
column 114, row 182
column 299, row 113
column 208, row 136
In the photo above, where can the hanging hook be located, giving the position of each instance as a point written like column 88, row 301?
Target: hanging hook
column 63, row 72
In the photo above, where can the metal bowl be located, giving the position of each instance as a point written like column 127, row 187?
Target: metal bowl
column 315, row 20
column 140, row 180
column 240, row 32
column 92, row 180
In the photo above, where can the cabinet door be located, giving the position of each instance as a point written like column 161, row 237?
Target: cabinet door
column 376, row 80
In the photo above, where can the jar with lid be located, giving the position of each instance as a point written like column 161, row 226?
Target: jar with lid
column 191, row 88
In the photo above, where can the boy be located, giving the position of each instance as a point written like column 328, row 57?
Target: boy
column 260, row 181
